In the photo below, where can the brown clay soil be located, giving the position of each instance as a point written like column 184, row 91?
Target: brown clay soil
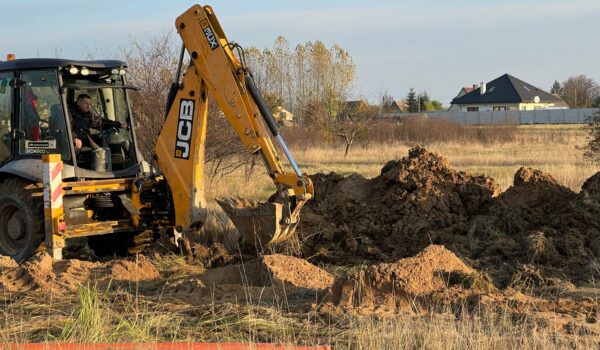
column 41, row 273
column 420, row 200
column 421, row 236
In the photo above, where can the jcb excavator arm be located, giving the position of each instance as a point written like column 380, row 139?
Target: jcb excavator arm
column 215, row 70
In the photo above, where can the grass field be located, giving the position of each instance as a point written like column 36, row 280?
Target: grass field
column 125, row 314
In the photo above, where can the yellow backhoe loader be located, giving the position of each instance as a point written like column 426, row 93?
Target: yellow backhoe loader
column 70, row 171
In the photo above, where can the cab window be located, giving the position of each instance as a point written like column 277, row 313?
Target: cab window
column 41, row 116
column 112, row 140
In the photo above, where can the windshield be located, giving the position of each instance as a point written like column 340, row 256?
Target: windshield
column 100, row 123
column 108, row 100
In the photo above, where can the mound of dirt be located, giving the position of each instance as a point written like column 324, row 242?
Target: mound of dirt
column 34, row 274
column 133, row 270
column 534, row 196
column 210, row 257
column 291, row 273
column 419, row 200
column 548, row 226
column 42, row 273
column 416, row 201
column 402, row 283
column 276, row 270
column 265, row 278
column 425, row 273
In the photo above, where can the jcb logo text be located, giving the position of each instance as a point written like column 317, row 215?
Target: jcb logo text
column 184, row 129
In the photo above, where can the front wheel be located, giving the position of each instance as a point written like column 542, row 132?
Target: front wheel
column 21, row 218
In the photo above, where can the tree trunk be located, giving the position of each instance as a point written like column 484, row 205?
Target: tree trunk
column 349, row 141
column 348, row 144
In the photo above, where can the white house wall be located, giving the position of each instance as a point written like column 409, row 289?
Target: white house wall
column 515, row 106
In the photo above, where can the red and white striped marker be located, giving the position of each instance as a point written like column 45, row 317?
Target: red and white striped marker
column 53, row 204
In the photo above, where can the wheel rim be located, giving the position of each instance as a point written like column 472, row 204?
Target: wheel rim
column 13, row 230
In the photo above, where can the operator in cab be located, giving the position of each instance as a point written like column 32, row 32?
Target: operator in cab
column 83, row 120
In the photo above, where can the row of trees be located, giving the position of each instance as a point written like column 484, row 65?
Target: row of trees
column 578, row 91
column 413, row 102
column 421, row 102
column 312, row 81
column 310, row 74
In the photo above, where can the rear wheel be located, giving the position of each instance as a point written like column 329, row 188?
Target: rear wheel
column 21, row 218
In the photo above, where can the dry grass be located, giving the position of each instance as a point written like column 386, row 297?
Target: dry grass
column 125, row 314
column 120, row 315
column 551, row 148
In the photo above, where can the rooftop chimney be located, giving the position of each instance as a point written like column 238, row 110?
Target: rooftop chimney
column 483, row 88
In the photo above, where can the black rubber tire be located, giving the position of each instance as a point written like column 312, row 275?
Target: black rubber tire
column 21, row 218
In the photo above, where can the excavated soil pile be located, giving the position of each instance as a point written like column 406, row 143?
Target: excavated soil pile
column 265, row 278
column 40, row 273
column 419, row 200
column 403, row 283
column 271, row 270
column 543, row 230
column 212, row 256
column 415, row 201
column 536, row 227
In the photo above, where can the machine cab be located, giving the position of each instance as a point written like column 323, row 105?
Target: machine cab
column 78, row 109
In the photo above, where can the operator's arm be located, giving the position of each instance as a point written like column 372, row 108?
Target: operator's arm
column 99, row 123
column 108, row 124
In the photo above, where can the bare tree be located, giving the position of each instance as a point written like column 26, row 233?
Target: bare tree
column 580, row 91
column 152, row 64
column 387, row 100
column 225, row 153
column 350, row 121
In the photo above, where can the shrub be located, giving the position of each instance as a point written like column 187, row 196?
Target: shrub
column 591, row 150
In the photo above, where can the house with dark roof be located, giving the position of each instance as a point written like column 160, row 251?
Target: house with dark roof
column 465, row 90
column 505, row 93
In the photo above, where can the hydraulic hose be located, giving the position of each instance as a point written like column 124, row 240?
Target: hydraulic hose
column 270, row 121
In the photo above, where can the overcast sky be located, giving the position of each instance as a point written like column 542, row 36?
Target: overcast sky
column 434, row 45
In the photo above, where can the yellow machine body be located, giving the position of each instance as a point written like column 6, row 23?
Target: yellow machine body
column 174, row 201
